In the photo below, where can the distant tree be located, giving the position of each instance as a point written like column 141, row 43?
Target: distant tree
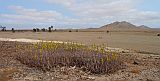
column 70, row 31
column 34, row 30
column 51, row 26
column 49, row 29
column 107, row 31
column 13, row 30
column 76, row 30
column 43, row 29
column 3, row 28
column 37, row 29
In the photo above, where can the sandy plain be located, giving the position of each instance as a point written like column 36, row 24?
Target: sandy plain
column 144, row 42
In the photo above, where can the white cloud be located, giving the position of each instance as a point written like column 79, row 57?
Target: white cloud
column 63, row 2
column 96, row 8
column 97, row 12
column 101, row 11
column 32, row 15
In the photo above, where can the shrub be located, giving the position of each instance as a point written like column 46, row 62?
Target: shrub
column 13, row 30
column 49, row 55
column 107, row 31
column 43, row 29
column 76, row 30
column 37, row 29
column 34, row 30
column 49, row 29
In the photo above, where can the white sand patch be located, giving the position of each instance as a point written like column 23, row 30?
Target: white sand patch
column 109, row 49
column 119, row 50
column 28, row 40
column 19, row 40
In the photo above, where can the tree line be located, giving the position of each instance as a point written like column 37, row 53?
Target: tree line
column 43, row 29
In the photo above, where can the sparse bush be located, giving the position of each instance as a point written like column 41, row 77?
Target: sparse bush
column 34, row 30
column 77, row 30
column 100, row 37
column 49, row 55
column 37, row 29
column 49, row 29
column 51, row 26
column 3, row 28
column 158, row 34
column 70, row 31
column 107, row 31
column 13, row 30
column 43, row 29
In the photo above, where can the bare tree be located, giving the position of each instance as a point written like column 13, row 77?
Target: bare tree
column 3, row 28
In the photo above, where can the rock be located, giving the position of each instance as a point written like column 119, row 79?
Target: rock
column 73, row 67
column 92, row 78
column 135, row 63
column 31, row 78
column 149, row 80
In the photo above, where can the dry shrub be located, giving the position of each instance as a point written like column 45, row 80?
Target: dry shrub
column 47, row 56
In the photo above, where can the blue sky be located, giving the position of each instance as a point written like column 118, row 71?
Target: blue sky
column 26, row 14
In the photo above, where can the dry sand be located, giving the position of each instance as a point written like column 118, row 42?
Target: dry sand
column 139, row 67
column 145, row 42
column 109, row 49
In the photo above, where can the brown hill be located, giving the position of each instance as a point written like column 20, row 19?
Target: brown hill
column 143, row 26
column 124, row 26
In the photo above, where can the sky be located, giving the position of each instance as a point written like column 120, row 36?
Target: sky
column 28, row 14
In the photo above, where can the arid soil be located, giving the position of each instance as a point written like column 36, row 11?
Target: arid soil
column 139, row 67
column 144, row 42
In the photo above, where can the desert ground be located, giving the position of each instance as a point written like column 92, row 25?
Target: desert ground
column 140, row 64
column 147, row 42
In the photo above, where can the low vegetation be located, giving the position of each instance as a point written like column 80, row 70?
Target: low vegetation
column 49, row 55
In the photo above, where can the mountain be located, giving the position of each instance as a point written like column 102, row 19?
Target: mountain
column 124, row 26
column 143, row 26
